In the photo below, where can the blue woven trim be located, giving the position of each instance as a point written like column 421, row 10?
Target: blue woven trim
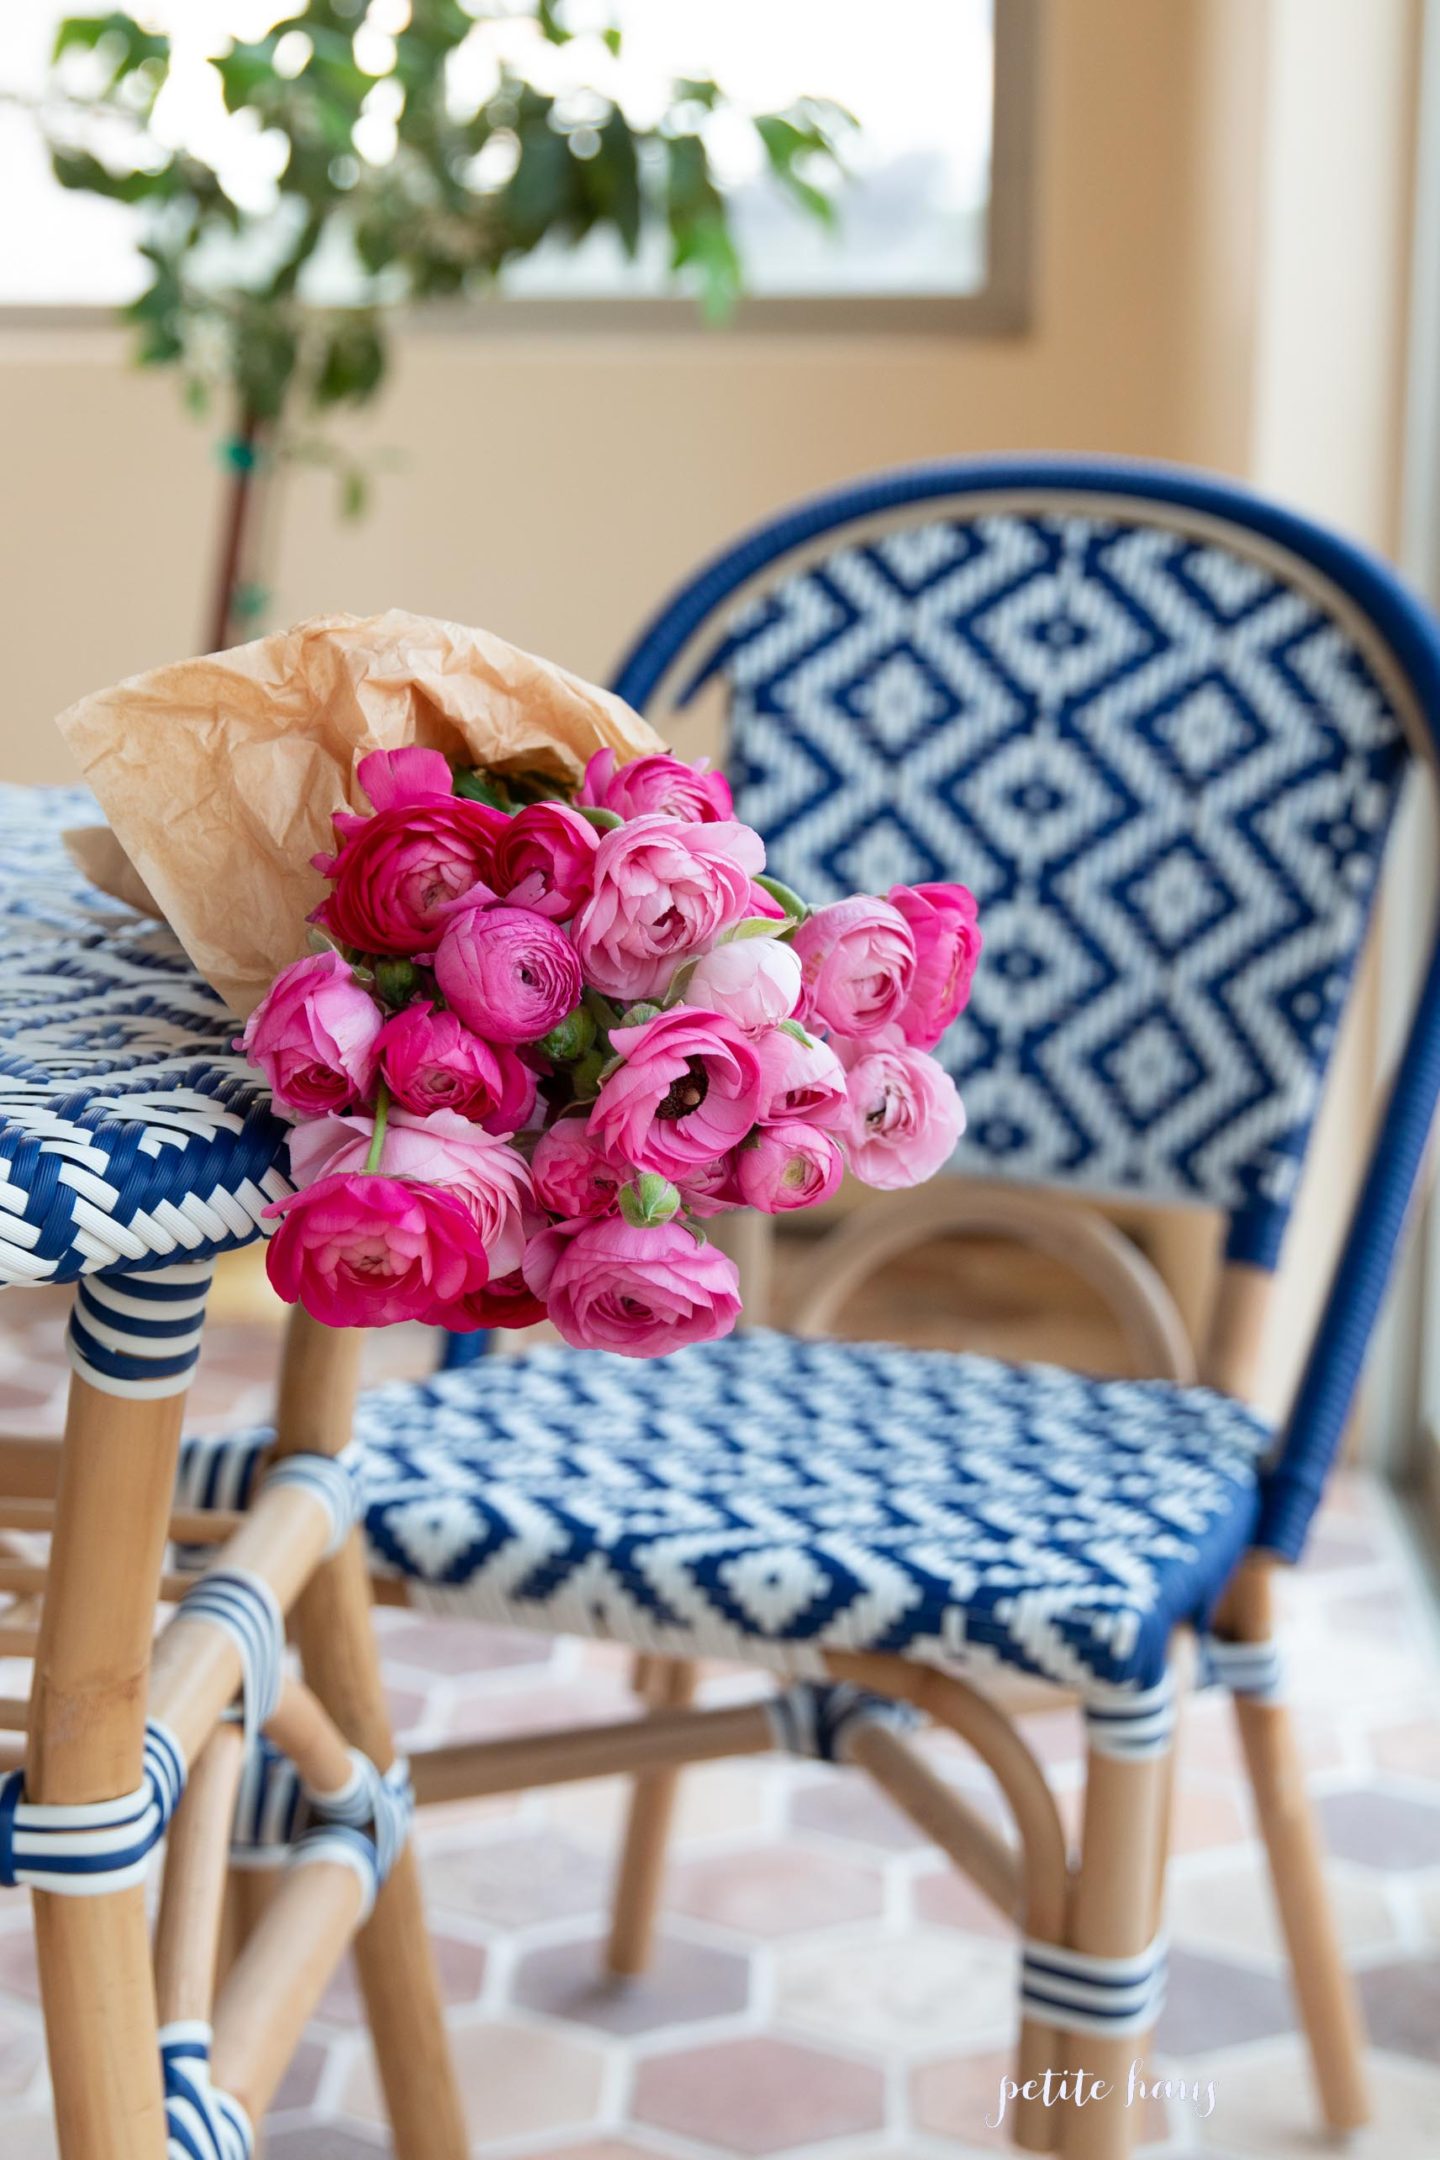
column 139, row 1335
column 200, row 2123
column 276, row 1813
column 1081, row 1992
column 1131, row 1723
column 1252, row 1669
column 819, row 1722
column 337, row 1844
column 94, row 1847
column 246, row 1609
column 330, row 1479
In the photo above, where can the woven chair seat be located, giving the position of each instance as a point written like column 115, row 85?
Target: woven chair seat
column 131, row 1134
column 768, row 1498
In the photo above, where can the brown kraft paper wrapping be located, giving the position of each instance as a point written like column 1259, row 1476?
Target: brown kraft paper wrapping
column 219, row 775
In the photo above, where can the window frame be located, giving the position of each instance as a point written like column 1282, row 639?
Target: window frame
column 1001, row 307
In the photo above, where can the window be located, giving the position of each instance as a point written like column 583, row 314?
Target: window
column 920, row 220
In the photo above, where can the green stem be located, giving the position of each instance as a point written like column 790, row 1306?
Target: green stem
column 382, row 1118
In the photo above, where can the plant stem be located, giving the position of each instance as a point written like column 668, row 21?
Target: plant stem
column 382, row 1118
column 240, row 503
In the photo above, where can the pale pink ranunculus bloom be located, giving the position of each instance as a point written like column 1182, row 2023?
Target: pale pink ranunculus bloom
column 314, row 1036
column 685, row 1092
column 639, row 1291
column 360, row 1251
column 942, row 921
column 793, row 1165
column 573, row 1173
column 660, row 786
column 859, row 962
column 545, row 860
column 905, row 1113
column 755, row 981
column 432, row 1061
column 800, row 1077
column 511, row 974
column 709, row 1188
column 443, row 1150
column 663, row 892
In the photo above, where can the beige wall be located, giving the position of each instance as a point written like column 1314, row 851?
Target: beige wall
column 552, row 489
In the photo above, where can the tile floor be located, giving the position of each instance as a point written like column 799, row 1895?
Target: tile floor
column 825, row 1989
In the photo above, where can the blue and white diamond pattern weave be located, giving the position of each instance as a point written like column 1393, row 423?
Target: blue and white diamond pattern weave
column 767, row 1499
column 1166, row 774
column 131, row 1134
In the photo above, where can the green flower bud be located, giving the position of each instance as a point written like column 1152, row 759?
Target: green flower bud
column 570, row 1038
column 477, row 786
column 396, row 981
column 586, row 1073
column 649, row 1200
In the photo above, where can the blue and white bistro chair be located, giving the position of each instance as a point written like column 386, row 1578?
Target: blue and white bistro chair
column 1160, row 727
column 134, row 1148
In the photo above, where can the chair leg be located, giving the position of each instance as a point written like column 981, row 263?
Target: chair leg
column 1113, row 1915
column 335, row 1635
column 1328, row 2008
column 667, row 1684
column 87, row 1721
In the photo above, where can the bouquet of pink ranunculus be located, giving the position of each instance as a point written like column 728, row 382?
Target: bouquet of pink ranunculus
column 542, row 1041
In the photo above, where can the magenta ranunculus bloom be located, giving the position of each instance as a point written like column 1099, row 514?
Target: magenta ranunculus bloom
column 432, row 1061
column 642, row 1292
column 793, row 1165
column 800, row 1078
column 395, row 873
column 754, row 981
column 942, row 921
column 545, row 860
column 314, row 1036
column 573, row 1174
column 663, row 893
column 484, row 1174
column 360, row 1251
column 657, row 786
column 905, row 1114
column 859, row 961
column 505, row 1301
column 398, row 779
column 685, row 1092
column 509, row 973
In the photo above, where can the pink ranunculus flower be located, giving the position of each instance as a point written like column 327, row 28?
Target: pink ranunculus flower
column 573, row 1174
column 947, row 946
column 793, row 1165
column 431, row 1061
column 314, row 1035
column 360, row 1251
column 905, row 1113
column 657, row 785
column 664, row 892
column 684, row 1093
column 509, row 973
column 545, row 860
column 506, row 1302
column 801, row 1078
column 710, row 1188
column 394, row 873
column 484, row 1174
column 754, row 980
column 859, row 962
column 610, row 1286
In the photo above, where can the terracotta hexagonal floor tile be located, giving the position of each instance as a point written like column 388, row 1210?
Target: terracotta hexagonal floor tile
column 1265, row 2105
column 943, row 1897
column 1402, row 2007
column 514, row 2081
column 460, row 1965
column 1210, row 2004
column 1382, row 1829
column 686, row 1982
column 323, row 2141
column 759, row 2096
column 915, row 1994
column 518, row 1878
column 849, row 1806
column 21, row 2052
column 457, row 1648
column 775, row 1890
column 1412, row 1748
column 1230, row 1906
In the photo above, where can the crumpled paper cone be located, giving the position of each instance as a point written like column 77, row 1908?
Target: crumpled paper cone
column 219, row 776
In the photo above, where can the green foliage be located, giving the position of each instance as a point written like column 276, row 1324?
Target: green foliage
column 471, row 185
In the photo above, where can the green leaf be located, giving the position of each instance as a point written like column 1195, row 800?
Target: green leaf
column 605, row 819
column 354, row 492
column 478, row 786
column 753, row 926
column 354, row 363
column 794, row 906
column 78, row 169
